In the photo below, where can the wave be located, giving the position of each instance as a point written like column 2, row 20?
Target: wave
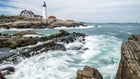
column 103, row 53
column 80, row 27
column 14, row 29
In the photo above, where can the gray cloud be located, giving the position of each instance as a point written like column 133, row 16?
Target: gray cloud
column 82, row 10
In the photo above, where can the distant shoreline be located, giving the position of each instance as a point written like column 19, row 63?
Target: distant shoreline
column 24, row 22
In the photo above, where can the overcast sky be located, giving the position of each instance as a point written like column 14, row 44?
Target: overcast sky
column 80, row 10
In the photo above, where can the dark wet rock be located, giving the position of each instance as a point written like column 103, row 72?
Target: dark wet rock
column 5, row 53
column 0, row 34
column 75, row 47
column 7, row 70
column 67, row 38
column 44, row 47
column 129, row 66
column 2, row 76
column 88, row 73
column 95, row 26
column 24, row 33
column 63, row 36
column 59, row 34
column 21, row 48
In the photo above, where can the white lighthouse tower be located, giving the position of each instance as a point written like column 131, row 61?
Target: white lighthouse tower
column 44, row 11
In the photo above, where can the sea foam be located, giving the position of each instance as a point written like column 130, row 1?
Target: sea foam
column 103, row 53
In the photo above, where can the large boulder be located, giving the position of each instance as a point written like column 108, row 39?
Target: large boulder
column 129, row 66
column 88, row 73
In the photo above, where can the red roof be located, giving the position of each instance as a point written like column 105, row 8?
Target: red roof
column 52, row 17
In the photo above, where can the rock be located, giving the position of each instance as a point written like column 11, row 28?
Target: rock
column 5, row 53
column 40, row 48
column 1, row 76
column 129, row 66
column 15, row 41
column 134, row 37
column 68, row 23
column 0, row 34
column 23, row 22
column 4, row 43
column 95, row 26
column 88, row 73
column 51, row 20
column 20, row 42
column 61, row 33
column 51, row 42
column 63, row 36
column 24, row 33
column 8, row 70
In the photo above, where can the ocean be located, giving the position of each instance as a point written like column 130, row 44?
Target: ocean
column 103, row 43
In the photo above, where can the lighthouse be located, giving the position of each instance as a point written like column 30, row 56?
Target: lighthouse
column 44, row 10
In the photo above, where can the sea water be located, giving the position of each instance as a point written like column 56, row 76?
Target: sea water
column 103, row 53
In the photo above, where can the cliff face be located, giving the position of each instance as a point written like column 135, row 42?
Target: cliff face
column 129, row 66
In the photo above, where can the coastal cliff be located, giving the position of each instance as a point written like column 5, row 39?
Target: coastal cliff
column 129, row 66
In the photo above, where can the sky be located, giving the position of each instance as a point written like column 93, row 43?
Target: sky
column 99, row 11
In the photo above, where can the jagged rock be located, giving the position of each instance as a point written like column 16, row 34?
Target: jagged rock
column 44, row 47
column 62, row 36
column 51, row 42
column 88, row 73
column 24, row 33
column 129, row 66
column 134, row 37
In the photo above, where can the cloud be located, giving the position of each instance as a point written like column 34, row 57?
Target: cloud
column 81, row 10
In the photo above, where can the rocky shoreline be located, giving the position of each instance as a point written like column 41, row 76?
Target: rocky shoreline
column 28, row 46
column 51, row 42
column 25, row 47
column 23, row 22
